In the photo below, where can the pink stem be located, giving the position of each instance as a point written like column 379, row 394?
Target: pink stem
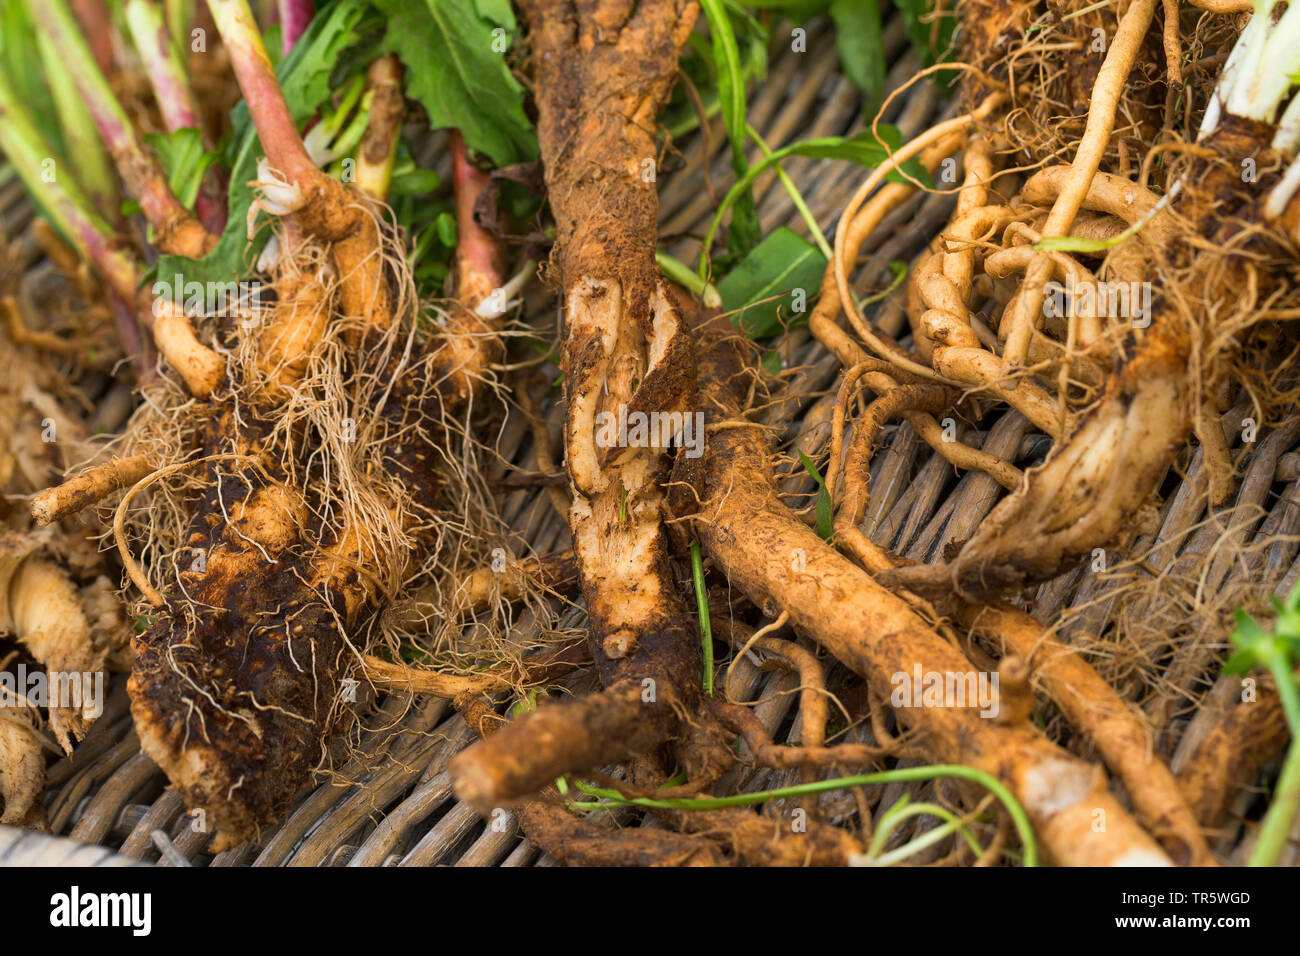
column 171, row 87
column 162, row 63
column 478, row 252
column 257, row 81
column 295, row 15
column 138, row 166
column 138, row 347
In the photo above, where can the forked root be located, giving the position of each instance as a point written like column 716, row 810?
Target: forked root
column 778, row 562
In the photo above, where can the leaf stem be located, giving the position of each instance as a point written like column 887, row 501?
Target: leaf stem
column 85, row 149
column 702, row 603
column 162, row 64
column 1275, row 830
column 60, row 196
column 295, row 15
column 900, row 775
column 276, row 129
column 795, row 196
column 139, row 167
column 681, row 273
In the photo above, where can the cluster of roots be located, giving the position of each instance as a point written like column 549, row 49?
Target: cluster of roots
column 1106, row 274
column 1107, row 280
column 61, row 618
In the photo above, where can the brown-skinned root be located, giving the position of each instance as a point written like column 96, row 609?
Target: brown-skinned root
column 312, row 498
column 709, row 838
column 604, row 71
column 1094, row 484
column 238, row 686
column 1111, row 723
column 41, row 608
column 1243, row 737
column 22, row 766
column 778, row 562
column 45, row 602
column 529, row 672
column 877, row 373
column 579, row 841
column 1099, row 479
column 1118, row 729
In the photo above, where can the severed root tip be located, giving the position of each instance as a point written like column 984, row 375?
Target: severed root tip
column 1015, row 696
column 1091, row 489
column 559, row 738
column 202, row 369
column 89, row 487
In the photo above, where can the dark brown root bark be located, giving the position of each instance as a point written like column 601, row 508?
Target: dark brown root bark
column 580, row 842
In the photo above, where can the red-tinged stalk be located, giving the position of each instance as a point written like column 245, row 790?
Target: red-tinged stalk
column 295, row 15
column 134, row 343
column 291, row 182
column 177, row 231
column 74, row 216
column 85, row 149
column 257, row 81
column 97, row 26
column 478, row 253
column 171, row 87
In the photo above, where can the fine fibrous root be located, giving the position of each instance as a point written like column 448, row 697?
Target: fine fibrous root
column 317, row 501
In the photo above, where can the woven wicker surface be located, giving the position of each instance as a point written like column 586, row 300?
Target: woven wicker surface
column 395, row 806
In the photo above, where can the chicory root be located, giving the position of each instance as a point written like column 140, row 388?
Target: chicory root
column 239, row 683
column 758, row 543
column 601, row 80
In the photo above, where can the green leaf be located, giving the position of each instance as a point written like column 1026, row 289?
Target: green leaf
column 413, row 181
column 184, row 160
column 496, row 11
column 447, row 229
column 1239, row 663
column 305, row 77
column 863, row 149
column 758, row 290
column 744, row 231
column 797, row 11
column 824, row 512
column 458, row 76
column 862, row 48
column 1255, row 646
